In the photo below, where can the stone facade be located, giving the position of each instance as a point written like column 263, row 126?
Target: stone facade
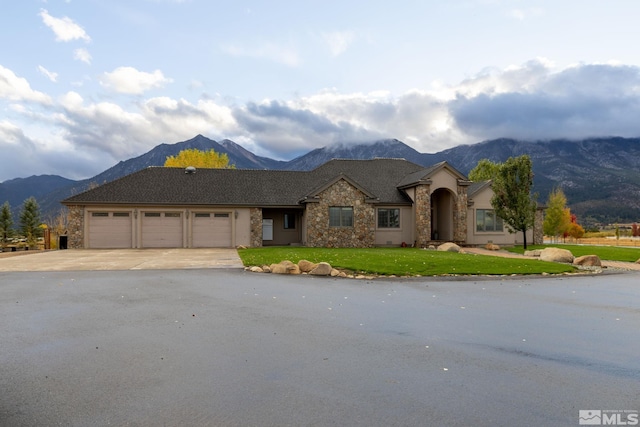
column 76, row 228
column 360, row 235
column 538, row 233
column 256, row 227
column 423, row 215
column 460, row 214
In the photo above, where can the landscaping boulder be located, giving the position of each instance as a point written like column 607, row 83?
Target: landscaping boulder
column 638, row 261
column 588, row 261
column 285, row 267
column 449, row 247
column 556, row 255
column 306, row 266
column 322, row 269
column 256, row 269
column 492, row 247
column 535, row 252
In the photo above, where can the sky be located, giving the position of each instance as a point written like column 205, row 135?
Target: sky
column 85, row 84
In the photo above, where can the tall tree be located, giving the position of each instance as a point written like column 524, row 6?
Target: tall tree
column 30, row 221
column 512, row 199
column 484, row 170
column 198, row 159
column 556, row 221
column 6, row 223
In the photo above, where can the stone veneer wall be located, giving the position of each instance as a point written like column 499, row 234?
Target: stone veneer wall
column 460, row 215
column 256, row 227
column 361, row 235
column 75, row 228
column 423, row 215
column 538, row 233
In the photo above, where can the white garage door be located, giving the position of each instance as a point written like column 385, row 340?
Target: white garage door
column 110, row 230
column 211, row 230
column 162, row 230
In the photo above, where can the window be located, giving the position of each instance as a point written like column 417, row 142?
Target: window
column 121, row 214
column 202, row 215
column 172, row 215
column 221, row 215
column 289, row 221
column 486, row 220
column 99, row 213
column 388, row 218
column 152, row 214
column 341, row 216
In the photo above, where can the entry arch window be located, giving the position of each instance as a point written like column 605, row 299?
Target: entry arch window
column 388, row 218
column 341, row 216
column 487, row 220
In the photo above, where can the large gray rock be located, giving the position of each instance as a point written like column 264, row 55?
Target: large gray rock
column 588, row 261
column 322, row 269
column 449, row 247
column 556, row 255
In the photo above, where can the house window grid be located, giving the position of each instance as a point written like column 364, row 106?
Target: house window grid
column 487, row 221
column 388, row 218
column 341, row 216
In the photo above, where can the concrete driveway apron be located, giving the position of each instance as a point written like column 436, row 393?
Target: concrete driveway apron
column 121, row 259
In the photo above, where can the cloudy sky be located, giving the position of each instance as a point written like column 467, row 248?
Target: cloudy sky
column 87, row 83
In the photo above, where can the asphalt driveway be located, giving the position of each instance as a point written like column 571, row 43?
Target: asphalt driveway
column 120, row 259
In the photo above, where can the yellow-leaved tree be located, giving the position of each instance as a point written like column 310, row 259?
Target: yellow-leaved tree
column 198, row 159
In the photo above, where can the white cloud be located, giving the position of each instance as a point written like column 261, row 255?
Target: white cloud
column 281, row 54
column 83, row 55
column 522, row 14
column 128, row 80
column 64, row 28
column 338, row 41
column 48, row 74
column 16, row 88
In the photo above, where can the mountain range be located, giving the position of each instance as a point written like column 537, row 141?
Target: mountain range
column 599, row 176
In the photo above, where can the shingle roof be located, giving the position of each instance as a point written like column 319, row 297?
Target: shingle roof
column 172, row 186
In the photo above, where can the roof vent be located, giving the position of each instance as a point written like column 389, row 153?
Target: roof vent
column 190, row 170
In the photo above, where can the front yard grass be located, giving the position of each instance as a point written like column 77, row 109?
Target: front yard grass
column 611, row 253
column 401, row 261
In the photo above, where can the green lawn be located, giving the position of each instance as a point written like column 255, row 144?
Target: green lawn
column 611, row 253
column 401, row 261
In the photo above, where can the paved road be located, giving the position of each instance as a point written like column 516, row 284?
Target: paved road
column 223, row 347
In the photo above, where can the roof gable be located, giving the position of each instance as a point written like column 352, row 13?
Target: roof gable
column 426, row 174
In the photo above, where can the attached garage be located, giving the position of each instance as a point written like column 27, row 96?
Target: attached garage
column 211, row 230
column 110, row 230
column 162, row 230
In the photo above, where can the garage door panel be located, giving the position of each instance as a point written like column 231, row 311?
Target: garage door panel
column 162, row 230
column 211, row 230
column 110, row 230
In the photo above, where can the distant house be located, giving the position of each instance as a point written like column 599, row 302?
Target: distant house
column 343, row 203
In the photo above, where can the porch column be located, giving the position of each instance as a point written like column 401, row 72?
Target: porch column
column 256, row 227
column 423, row 215
column 460, row 213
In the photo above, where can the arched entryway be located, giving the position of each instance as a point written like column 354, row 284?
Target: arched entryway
column 442, row 206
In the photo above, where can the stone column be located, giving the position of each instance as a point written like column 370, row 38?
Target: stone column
column 538, row 232
column 75, row 228
column 423, row 215
column 460, row 215
column 256, row 227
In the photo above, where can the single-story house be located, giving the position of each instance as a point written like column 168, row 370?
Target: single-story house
column 342, row 203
